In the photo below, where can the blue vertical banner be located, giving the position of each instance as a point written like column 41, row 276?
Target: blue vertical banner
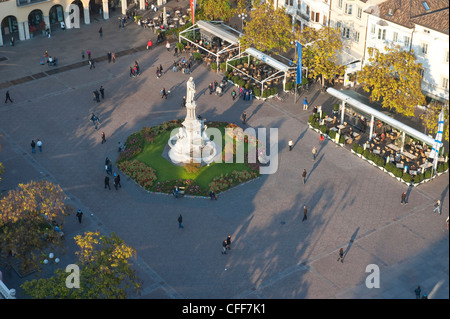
column 299, row 63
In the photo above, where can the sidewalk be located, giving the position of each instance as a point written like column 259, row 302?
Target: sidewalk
column 275, row 254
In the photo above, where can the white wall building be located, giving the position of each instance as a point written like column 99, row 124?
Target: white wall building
column 418, row 25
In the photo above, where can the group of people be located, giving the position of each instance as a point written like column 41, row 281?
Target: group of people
column 48, row 59
column 116, row 180
column 182, row 65
column 98, row 93
column 34, row 144
column 135, row 71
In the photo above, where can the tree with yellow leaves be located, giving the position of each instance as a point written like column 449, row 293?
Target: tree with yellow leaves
column 320, row 49
column 27, row 216
column 268, row 29
column 105, row 271
column 394, row 79
column 430, row 119
column 216, row 10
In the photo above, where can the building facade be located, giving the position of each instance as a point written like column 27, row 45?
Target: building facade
column 25, row 19
column 420, row 26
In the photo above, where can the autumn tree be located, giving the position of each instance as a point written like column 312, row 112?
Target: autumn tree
column 320, row 51
column 2, row 170
column 26, row 214
column 215, row 10
column 105, row 271
column 394, row 79
column 268, row 29
column 430, row 119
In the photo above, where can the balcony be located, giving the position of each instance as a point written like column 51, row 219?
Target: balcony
column 22, row 3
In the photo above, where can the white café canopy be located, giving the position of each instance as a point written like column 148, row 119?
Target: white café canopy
column 381, row 116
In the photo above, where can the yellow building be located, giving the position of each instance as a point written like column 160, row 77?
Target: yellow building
column 25, row 19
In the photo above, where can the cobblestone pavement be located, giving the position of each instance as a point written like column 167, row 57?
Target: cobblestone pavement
column 351, row 204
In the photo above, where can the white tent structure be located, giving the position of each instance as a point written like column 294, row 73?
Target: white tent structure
column 282, row 70
column 374, row 114
column 211, row 29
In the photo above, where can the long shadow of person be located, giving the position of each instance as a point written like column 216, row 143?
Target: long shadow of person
column 350, row 243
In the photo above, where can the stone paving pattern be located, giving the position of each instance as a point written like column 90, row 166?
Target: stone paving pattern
column 351, row 204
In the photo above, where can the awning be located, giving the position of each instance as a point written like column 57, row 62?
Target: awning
column 218, row 31
column 267, row 59
column 381, row 116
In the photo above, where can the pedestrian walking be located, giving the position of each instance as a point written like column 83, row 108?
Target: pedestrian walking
column 437, row 207
column 314, row 152
column 211, row 88
column 39, row 145
column 96, row 96
column 8, row 97
column 183, row 102
column 100, row 32
column 102, row 91
column 233, row 94
column 224, row 247
column 79, row 215
column 341, row 255
column 95, row 120
column 417, row 292
column 321, row 138
column 160, row 68
column 33, row 146
column 212, row 195
column 82, row 54
column 228, row 242
column 118, row 180
column 180, row 221
column 304, row 176
column 403, row 201
column 149, row 44
column 113, row 56
column 175, row 51
column 115, row 182
column 109, row 55
column 163, row 93
column 447, row 221
column 244, row 117
column 103, row 137
column 305, row 103
column 291, row 144
column 91, row 64
column 109, row 169
column 107, row 182
column 168, row 46
column 88, row 54
column 305, row 212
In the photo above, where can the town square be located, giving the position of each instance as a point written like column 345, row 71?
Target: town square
column 344, row 230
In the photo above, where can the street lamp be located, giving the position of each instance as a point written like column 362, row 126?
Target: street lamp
column 243, row 16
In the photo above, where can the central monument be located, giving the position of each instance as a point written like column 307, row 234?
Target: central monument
column 191, row 144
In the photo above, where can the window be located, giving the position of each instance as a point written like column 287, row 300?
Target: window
column 307, row 10
column 424, row 48
column 426, row 31
column 422, row 73
column 338, row 25
column 325, row 20
column 425, row 5
column 444, row 83
column 315, row 16
column 395, row 37
column 359, row 13
column 289, row 2
column 446, row 57
column 356, row 36
column 372, row 29
column 348, row 9
column 339, row 3
column 406, row 41
column 345, row 32
column 381, row 34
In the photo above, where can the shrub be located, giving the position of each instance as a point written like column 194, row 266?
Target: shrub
column 213, row 66
column 418, row 178
column 342, row 139
column 378, row 160
column 366, row 153
column 332, row 134
column 192, row 167
column 390, row 167
column 240, row 82
column 316, row 125
column 257, row 92
column 336, row 107
column 398, row 172
column 427, row 175
column 197, row 56
column 180, row 46
column 355, row 147
column 223, row 66
column 311, row 119
column 324, row 129
column 360, row 149
column 235, row 78
column 288, row 86
column 144, row 175
column 407, row 177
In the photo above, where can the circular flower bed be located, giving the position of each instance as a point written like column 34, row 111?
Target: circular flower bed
column 150, row 138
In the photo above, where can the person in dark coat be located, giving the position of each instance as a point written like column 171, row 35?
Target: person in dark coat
column 79, row 215
column 305, row 212
column 180, row 221
column 8, row 98
column 107, row 182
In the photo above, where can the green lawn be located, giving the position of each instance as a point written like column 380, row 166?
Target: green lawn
column 152, row 156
